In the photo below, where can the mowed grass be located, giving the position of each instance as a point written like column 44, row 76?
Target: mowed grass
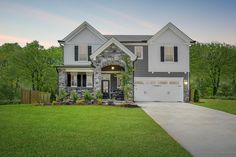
column 222, row 105
column 86, row 131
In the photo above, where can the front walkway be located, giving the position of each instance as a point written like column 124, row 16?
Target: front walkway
column 203, row 132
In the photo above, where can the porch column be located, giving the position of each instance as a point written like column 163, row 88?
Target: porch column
column 97, row 78
column 62, row 79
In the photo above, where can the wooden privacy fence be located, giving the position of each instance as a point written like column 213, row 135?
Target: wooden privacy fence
column 34, row 97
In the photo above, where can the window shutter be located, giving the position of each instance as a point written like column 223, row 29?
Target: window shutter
column 89, row 52
column 76, row 53
column 84, row 80
column 162, row 54
column 78, row 80
column 176, row 54
column 68, row 79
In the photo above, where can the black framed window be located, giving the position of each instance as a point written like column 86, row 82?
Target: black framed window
column 78, row 80
column 76, row 53
column 84, row 80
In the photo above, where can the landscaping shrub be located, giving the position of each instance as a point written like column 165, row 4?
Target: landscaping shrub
column 88, row 96
column 80, row 102
column 99, row 102
column 74, row 96
column 99, row 95
column 110, row 102
column 196, row 96
column 54, row 103
column 62, row 95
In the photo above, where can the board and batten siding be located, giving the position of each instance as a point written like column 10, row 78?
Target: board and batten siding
column 168, row 38
column 85, row 37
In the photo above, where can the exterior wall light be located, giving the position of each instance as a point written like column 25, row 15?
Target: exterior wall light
column 112, row 68
column 185, row 82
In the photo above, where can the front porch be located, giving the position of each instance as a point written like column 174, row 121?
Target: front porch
column 111, row 82
column 103, row 73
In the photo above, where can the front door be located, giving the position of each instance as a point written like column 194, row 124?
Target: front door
column 105, row 89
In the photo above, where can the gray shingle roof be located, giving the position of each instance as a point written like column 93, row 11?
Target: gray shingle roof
column 130, row 38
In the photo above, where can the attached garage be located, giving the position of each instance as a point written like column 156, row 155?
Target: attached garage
column 167, row 89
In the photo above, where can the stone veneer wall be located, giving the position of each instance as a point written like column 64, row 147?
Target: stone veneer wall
column 106, row 59
column 62, row 79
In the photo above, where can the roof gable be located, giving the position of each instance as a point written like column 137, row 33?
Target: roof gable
column 175, row 30
column 118, row 44
column 80, row 28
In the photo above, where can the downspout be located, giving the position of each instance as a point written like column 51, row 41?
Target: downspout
column 133, row 81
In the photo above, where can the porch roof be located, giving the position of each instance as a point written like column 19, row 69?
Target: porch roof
column 118, row 44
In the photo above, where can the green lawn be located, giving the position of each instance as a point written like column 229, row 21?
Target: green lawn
column 222, row 105
column 104, row 131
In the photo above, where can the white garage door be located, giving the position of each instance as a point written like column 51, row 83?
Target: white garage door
column 158, row 89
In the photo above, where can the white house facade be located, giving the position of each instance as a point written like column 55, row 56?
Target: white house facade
column 93, row 61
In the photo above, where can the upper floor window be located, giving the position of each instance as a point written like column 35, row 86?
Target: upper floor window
column 169, row 54
column 138, row 50
column 82, row 52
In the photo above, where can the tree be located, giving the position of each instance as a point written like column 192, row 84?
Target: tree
column 9, row 78
column 209, row 62
column 217, row 56
column 29, row 67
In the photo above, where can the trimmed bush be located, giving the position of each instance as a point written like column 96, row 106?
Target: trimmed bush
column 62, row 95
column 54, row 103
column 99, row 95
column 80, row 102
column 74, row 96
column 196, row 96
column 99, row 102
column 88, row 96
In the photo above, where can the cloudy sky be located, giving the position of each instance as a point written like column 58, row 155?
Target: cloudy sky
column 48, row 21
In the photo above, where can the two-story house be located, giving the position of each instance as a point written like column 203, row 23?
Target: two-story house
column 94, row 61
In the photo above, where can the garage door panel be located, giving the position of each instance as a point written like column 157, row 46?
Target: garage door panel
column 158, row 89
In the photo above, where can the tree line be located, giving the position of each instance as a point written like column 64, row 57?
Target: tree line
column 212, row 69
column 30, row 67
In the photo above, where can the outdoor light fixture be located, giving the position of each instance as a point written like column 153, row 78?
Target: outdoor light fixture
column 185, row 82
column 112, row 68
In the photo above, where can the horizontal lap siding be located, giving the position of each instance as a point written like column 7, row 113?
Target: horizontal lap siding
column 141, row 67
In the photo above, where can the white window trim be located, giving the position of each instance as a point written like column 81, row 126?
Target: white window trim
column 86, row 48
column 75, row 75
column 172, row 47
column 135, row 52
column 117, row 80
column 89, row 76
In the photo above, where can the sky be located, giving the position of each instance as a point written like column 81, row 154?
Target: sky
column 47, row 21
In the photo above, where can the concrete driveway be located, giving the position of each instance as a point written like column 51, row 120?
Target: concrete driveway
column 203, row 132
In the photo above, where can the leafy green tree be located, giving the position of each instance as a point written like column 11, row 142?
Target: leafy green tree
column 209, row 61
column 9, row 78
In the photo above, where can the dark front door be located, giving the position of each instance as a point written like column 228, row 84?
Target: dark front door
column 105, row 89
